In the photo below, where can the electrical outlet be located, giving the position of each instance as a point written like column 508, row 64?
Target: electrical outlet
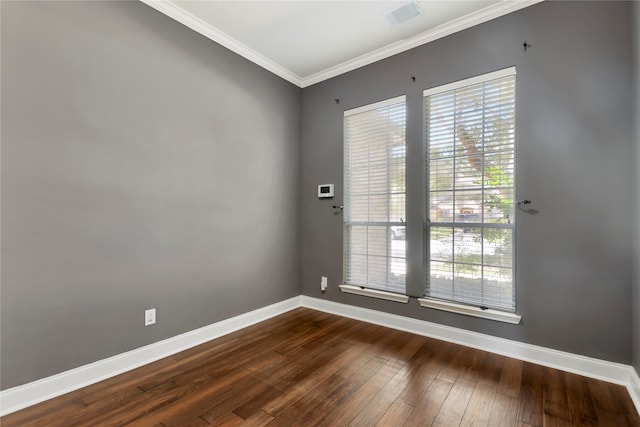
column 323, row 283
column 150, row 317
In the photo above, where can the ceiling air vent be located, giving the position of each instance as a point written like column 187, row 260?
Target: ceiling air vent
column 403, row 13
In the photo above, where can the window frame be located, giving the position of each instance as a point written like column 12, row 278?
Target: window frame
column 453, row 304
column 349, row 285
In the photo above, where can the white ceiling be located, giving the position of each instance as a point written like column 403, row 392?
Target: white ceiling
column 306, row 42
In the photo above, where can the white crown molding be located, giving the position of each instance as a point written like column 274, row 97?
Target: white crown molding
column 20, row 397
column 483, row 15
column 488, row 13
column 174, row 11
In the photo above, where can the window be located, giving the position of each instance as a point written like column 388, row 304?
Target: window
column 374, row 211
column 470, row 182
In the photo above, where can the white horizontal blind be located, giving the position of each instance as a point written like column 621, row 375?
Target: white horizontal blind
column 470, row 164
column 374, row 205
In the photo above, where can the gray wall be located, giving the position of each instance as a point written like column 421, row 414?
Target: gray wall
column 574, row 160
column 142, row 166
column 145, row 166
column 636, row 289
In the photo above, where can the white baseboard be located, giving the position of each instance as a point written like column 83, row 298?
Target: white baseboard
column 20, row 397
column 599, row 369
column 634, row 388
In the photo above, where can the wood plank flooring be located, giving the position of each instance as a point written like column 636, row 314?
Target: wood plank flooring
column 308, row 368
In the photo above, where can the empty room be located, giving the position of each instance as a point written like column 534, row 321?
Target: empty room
column 320, row 213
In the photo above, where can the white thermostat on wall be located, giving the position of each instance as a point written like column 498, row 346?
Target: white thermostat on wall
column 325, row 191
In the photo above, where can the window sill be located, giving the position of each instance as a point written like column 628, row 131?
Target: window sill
column 500, row 316
column 374, row 293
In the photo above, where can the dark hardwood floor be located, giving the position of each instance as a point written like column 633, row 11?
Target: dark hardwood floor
column 307, row 368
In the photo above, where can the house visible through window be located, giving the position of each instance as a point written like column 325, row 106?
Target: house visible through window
column 470, row 174
column 374, row 211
